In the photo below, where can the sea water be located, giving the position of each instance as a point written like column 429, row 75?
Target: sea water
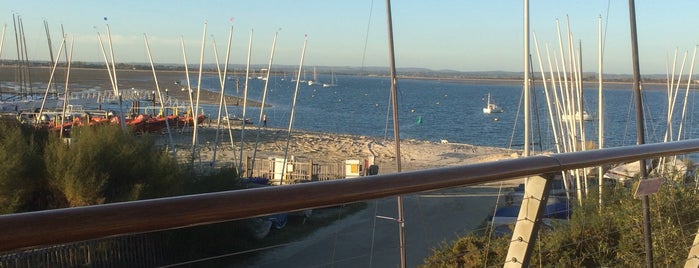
column 436, row 110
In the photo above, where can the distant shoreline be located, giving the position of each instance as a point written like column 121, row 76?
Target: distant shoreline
column 82, row 78
column 588, row 84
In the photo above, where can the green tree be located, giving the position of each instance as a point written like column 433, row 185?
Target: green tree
column 23, row 184
column 104, row 164
column 21, row 170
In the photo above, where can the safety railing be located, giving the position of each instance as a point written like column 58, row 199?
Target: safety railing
column 42, row 228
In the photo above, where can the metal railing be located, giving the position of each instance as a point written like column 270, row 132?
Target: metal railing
column 42, row 228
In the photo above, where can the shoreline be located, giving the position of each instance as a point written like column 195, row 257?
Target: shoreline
column 612, row 85
column 83, row 79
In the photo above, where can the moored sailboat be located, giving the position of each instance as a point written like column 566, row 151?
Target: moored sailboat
column 491, row 107
column 315, row 77
column 585, row 116
column 332, row 81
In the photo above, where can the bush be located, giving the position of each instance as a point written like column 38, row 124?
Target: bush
column 22, row 180
column 610, row 238
column 104, row 164
column 99, row 164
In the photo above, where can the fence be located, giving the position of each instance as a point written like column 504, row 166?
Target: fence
column 143, row 250
column 297, row 171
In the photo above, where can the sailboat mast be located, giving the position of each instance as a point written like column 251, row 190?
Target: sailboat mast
column 527, row 116
column 557, row 86
column 48, row 86
column 171, row 144
column 686, row 94
column 600, row 110
column 2, row 39
column 670, row 76
column 66, row 92
column 640, row 138
column 546, row 92
column 315, row 73
column 48, row 38
column 186, row 75
column 115, row 91
column 293, row 110
column 25, row 50
column 565, row 91
column 396, row 131
column 106, row 63
column 195, row 112
column 555, row 126
column 222, row 100
column 114, row 77
column 672, row 93
column 264, row 99
column 245, row 101
column 111, row 53
column 580, row 111
column 18, row 73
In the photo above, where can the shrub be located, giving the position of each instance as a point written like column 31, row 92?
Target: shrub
column 105, row 164
column 23, row 184
column 612, row 237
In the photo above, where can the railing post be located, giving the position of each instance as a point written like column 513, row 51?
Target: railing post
column 693, row 258
column 248, row 171
column 536, row 192
column 310, row 170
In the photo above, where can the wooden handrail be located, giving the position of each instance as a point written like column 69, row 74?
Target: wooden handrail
column 41, row 228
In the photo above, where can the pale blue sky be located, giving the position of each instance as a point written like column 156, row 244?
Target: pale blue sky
column 473, row 35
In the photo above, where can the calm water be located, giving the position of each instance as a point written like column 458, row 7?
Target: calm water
column 448, row 110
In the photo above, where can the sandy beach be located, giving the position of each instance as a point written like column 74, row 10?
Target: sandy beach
column 328, row 147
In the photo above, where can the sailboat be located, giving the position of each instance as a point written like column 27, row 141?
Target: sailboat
column 315, row 77
column 577, row 117
column 332, row 81
column 492, row 107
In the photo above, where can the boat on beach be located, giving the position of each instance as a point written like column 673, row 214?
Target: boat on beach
column 57, row 121
column 143, row 123
column 188, row 120
column 235, row 120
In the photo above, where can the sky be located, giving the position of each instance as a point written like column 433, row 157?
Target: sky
column 473, row 35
